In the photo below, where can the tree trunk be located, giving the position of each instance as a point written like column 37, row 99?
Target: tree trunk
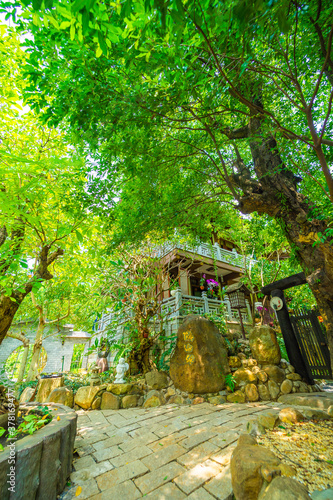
column 33, row 369
column 275, row 194
column 23, row 364
column 140, row 354
column 10, row 305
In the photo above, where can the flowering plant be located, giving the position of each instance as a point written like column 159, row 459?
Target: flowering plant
column 212, row 283
column 202, row 280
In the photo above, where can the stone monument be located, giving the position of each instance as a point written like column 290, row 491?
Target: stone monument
column 121, row 370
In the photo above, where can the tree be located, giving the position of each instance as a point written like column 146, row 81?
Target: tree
column 39, row 220
column 135, row 284
column 233, row 94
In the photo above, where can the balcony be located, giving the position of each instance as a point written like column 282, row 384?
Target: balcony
column 179, row 306
column 203, row 249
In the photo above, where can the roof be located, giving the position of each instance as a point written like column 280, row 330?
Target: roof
column 237, row 286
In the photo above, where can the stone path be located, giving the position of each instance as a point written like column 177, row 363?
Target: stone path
column 166, row 453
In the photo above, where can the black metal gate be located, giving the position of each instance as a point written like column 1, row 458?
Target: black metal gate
column 311, row 338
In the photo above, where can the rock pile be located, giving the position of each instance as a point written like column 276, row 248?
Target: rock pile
column 264, row 376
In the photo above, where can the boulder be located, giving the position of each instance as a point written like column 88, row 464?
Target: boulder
column 177, row 399
column 85, row 396
column 236, row 397
column 246, row 463
column 262, row 376
column 275, row 373
column 129, row 401
column 119, row 388
column 217, row 400
column 157, row 380
column 171, row 392
column 46, row 386
column 254, row 428
column 96, row 404
column 244, row 376
column 251, row 393
column 200, row 360
column 294, row 376
column 154, row 398
column 286, row 386
column 268, row 419
column 234, row 362
column 110, row 401
column 314, row 414
column 290, row 416
column 264, row 392
column 264, row 346
column 198, row 401
column 27, row 395
column 321, row 400
column 63, row 396
column 274, row 389
column 285, row 488
column 303, row 387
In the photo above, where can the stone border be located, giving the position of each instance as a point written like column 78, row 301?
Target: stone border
column 43, row 460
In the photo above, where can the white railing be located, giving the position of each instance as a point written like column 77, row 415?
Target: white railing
column 205, row 250
column 180, row 305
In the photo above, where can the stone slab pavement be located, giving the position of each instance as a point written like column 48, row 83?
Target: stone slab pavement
column 169, row 452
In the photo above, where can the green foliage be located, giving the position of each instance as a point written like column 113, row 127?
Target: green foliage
column 162, row 360
column 230, row 381
column 75, row 381
column 282, row 346
column 23, row 385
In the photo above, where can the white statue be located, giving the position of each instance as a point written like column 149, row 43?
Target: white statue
column 121, row 370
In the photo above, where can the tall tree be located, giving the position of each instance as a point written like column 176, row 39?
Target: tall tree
column 234, row 96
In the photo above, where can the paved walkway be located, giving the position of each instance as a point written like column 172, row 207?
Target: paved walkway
column 166, row 453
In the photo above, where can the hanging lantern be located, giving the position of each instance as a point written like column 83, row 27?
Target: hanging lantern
column 236, row 294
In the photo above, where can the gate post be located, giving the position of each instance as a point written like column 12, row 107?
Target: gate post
column 292, row 347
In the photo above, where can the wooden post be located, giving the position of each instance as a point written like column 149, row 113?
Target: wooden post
column 241, row 323
column 292, row 347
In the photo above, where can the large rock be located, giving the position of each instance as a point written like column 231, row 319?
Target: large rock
column 286, row 386
column 285, row 488
column 290, row 416
column 46, row 386
column 236, row 397
column 264, row 346
column 157, row 380
column 130, row 401
column 200, row 361
column 86, row 395
column 110, row 401
column 27, row 395
column 264, row 392
column 246, row 462
column 251, row 393
column 321, row 400
column 154, row 398
column 274, row 389
column 234, row 362
column 275, row 373
column 63, row 396
column 244, row 376
column 119, row 388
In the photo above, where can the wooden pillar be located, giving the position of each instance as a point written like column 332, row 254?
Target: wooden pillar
column 292, row 347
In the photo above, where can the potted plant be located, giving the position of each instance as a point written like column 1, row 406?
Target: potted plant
column 202, row 282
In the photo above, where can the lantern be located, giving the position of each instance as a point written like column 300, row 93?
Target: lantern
column 236, row 294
